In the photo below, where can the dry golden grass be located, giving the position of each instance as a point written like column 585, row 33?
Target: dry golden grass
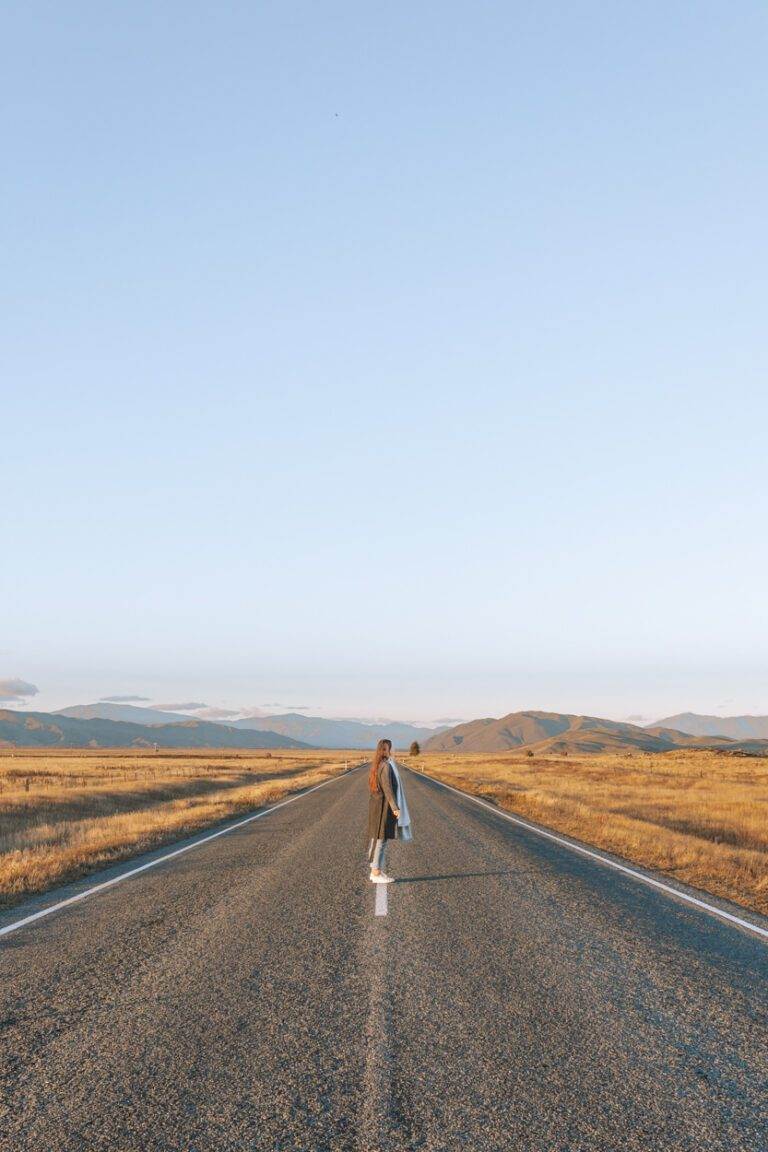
column 701, row 817
column 63, row 814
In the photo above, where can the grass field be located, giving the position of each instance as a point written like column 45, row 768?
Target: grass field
column 701, row 817
column 66, row 813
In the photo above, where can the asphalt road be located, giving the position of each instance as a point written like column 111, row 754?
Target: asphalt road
column 516, row 996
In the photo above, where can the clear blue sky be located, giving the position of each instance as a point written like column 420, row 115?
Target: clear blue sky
column 405, row 358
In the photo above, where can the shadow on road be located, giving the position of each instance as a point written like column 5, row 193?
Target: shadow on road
column 463, row 875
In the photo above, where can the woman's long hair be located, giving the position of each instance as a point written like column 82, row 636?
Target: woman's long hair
column 383, row 749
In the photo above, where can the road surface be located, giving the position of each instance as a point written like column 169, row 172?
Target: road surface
column 246, row 995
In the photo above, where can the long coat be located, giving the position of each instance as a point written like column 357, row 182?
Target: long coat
column 382, row 824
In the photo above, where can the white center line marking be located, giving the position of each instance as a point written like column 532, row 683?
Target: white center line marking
column 5, row 931
column 381, row 899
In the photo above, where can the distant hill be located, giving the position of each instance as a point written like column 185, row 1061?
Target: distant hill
column 126, row 712
column 323, row 733
column 560, row 732
column 46, row 729
column 734, row 727
column 316, row 731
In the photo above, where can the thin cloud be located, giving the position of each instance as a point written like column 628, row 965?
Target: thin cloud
column 190, row 706
column 124, row 699
column 15, row 689
column 290, row 707
column 217, row 713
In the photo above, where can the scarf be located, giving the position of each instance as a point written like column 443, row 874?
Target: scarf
column 403, row 830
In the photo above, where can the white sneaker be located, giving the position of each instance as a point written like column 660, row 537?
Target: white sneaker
column 382, row 878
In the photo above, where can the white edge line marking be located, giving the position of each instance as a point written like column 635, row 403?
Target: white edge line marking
column 162, row 859
column 381, row 899
column 711, row 908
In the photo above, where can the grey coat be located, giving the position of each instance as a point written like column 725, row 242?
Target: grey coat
column 382, row 823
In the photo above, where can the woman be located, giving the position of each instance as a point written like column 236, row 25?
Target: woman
column 387, row 811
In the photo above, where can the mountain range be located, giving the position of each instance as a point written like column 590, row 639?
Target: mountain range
column 47, row 729
column 107, row 725
column 324, row 733
column 314, row 730
column 734, row 727
column 559, row 732
column 129, row 713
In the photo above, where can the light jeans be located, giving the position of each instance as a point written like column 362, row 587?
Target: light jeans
column 377, row 861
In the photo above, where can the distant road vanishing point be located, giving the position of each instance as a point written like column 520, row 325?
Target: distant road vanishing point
column 256, row 992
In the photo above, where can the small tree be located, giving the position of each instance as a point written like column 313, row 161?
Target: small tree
column 529, row 752
column 415, row 750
